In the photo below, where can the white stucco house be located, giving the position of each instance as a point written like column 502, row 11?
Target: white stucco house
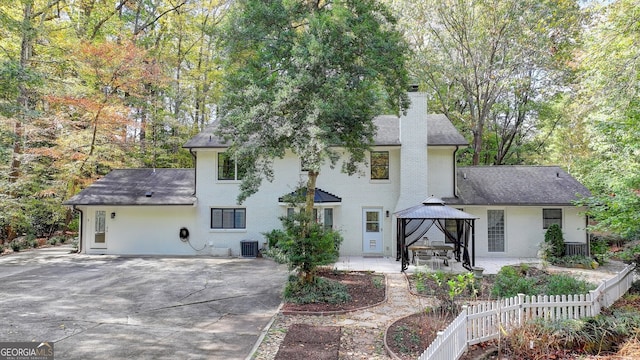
column 142, row 211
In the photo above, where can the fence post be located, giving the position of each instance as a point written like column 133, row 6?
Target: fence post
column 520, row 309
column 595, row 302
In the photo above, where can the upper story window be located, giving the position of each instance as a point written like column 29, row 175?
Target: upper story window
column 228, row 218
column 228, row 168
column 551, row 216
column 379, row 165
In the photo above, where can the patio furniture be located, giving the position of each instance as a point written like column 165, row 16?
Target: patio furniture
column 429, row 252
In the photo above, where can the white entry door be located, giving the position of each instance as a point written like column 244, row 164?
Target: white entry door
column 372, row 231
column 99, row 236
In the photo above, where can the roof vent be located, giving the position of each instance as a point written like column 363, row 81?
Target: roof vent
column 148, row 194
column 209, row 138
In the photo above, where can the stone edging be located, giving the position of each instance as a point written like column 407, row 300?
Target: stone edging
column 386, row 330
column 384, row 339
column 339, row 312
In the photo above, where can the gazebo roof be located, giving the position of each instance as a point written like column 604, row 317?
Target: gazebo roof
column 433, row 208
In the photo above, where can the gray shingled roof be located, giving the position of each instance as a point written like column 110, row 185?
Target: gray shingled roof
column 133, row 187
column 440, row 132
column 319, row 196
column 516, row 185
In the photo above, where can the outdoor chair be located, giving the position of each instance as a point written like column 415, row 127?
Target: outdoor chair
column 440, row 254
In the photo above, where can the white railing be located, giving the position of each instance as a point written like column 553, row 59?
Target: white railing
column 486, row 321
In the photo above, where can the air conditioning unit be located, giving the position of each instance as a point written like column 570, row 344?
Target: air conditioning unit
column 249, row 248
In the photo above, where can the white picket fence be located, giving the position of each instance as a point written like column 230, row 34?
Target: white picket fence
column 485, row 321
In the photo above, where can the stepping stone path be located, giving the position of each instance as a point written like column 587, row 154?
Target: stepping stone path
column 361, row 332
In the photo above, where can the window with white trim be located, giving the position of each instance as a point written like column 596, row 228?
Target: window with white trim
column 228, row 218
column 379, row 165
column 326, row 219
column 551, row 216
column 495, row 230
column 228, row 168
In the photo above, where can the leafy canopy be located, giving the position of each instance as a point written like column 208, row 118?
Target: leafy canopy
column 305, row 77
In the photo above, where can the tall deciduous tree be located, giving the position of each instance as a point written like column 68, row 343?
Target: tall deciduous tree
column 489, row 64
column 610, row 91
column 308, row 76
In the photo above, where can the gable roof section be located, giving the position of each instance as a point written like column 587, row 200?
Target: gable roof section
column 516, row 185
column 440, row 132
column 140, row 187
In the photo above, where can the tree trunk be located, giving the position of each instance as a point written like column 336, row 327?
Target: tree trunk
column 14, row 172
column 311, row 193
column 26, row 49
column 307, row 274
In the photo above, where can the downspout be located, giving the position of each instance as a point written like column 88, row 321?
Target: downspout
column 195, row 170
column 455, row 177
column 586, row 228
column 80, row 224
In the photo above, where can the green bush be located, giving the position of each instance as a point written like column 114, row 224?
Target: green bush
column 319, row 290
column 16, row 246
column 555, row 241
column 274, row 237
column 46, row 216
column 561, row 284
column 308, row 245
column 276, row 254
column 75, row 245
column 510, row 281
column 600, row 249
column 74, row 225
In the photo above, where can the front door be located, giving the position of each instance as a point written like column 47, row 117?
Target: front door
column 372, row 231
column 99, row 238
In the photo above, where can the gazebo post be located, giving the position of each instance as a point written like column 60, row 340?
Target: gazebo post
column 473, row 242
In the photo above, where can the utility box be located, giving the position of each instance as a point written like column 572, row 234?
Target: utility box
column 249, row 248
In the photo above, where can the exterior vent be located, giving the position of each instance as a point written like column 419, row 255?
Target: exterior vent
column 249, row 248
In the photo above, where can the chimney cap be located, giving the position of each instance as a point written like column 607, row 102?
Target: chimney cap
column 413, row 88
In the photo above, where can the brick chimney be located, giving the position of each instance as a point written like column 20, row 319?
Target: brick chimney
column 413, row 153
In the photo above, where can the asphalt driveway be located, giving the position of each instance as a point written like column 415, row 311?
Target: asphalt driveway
column 114, row 307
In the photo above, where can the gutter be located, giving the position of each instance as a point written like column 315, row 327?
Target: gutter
column 455, row 176
column 195, row 170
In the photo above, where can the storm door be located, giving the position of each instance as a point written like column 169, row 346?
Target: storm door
column 372, row 231
column 100, row 230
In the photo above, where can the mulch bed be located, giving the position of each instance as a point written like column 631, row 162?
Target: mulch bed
column 310, row 342
column 408, row 337
column 365, row 288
